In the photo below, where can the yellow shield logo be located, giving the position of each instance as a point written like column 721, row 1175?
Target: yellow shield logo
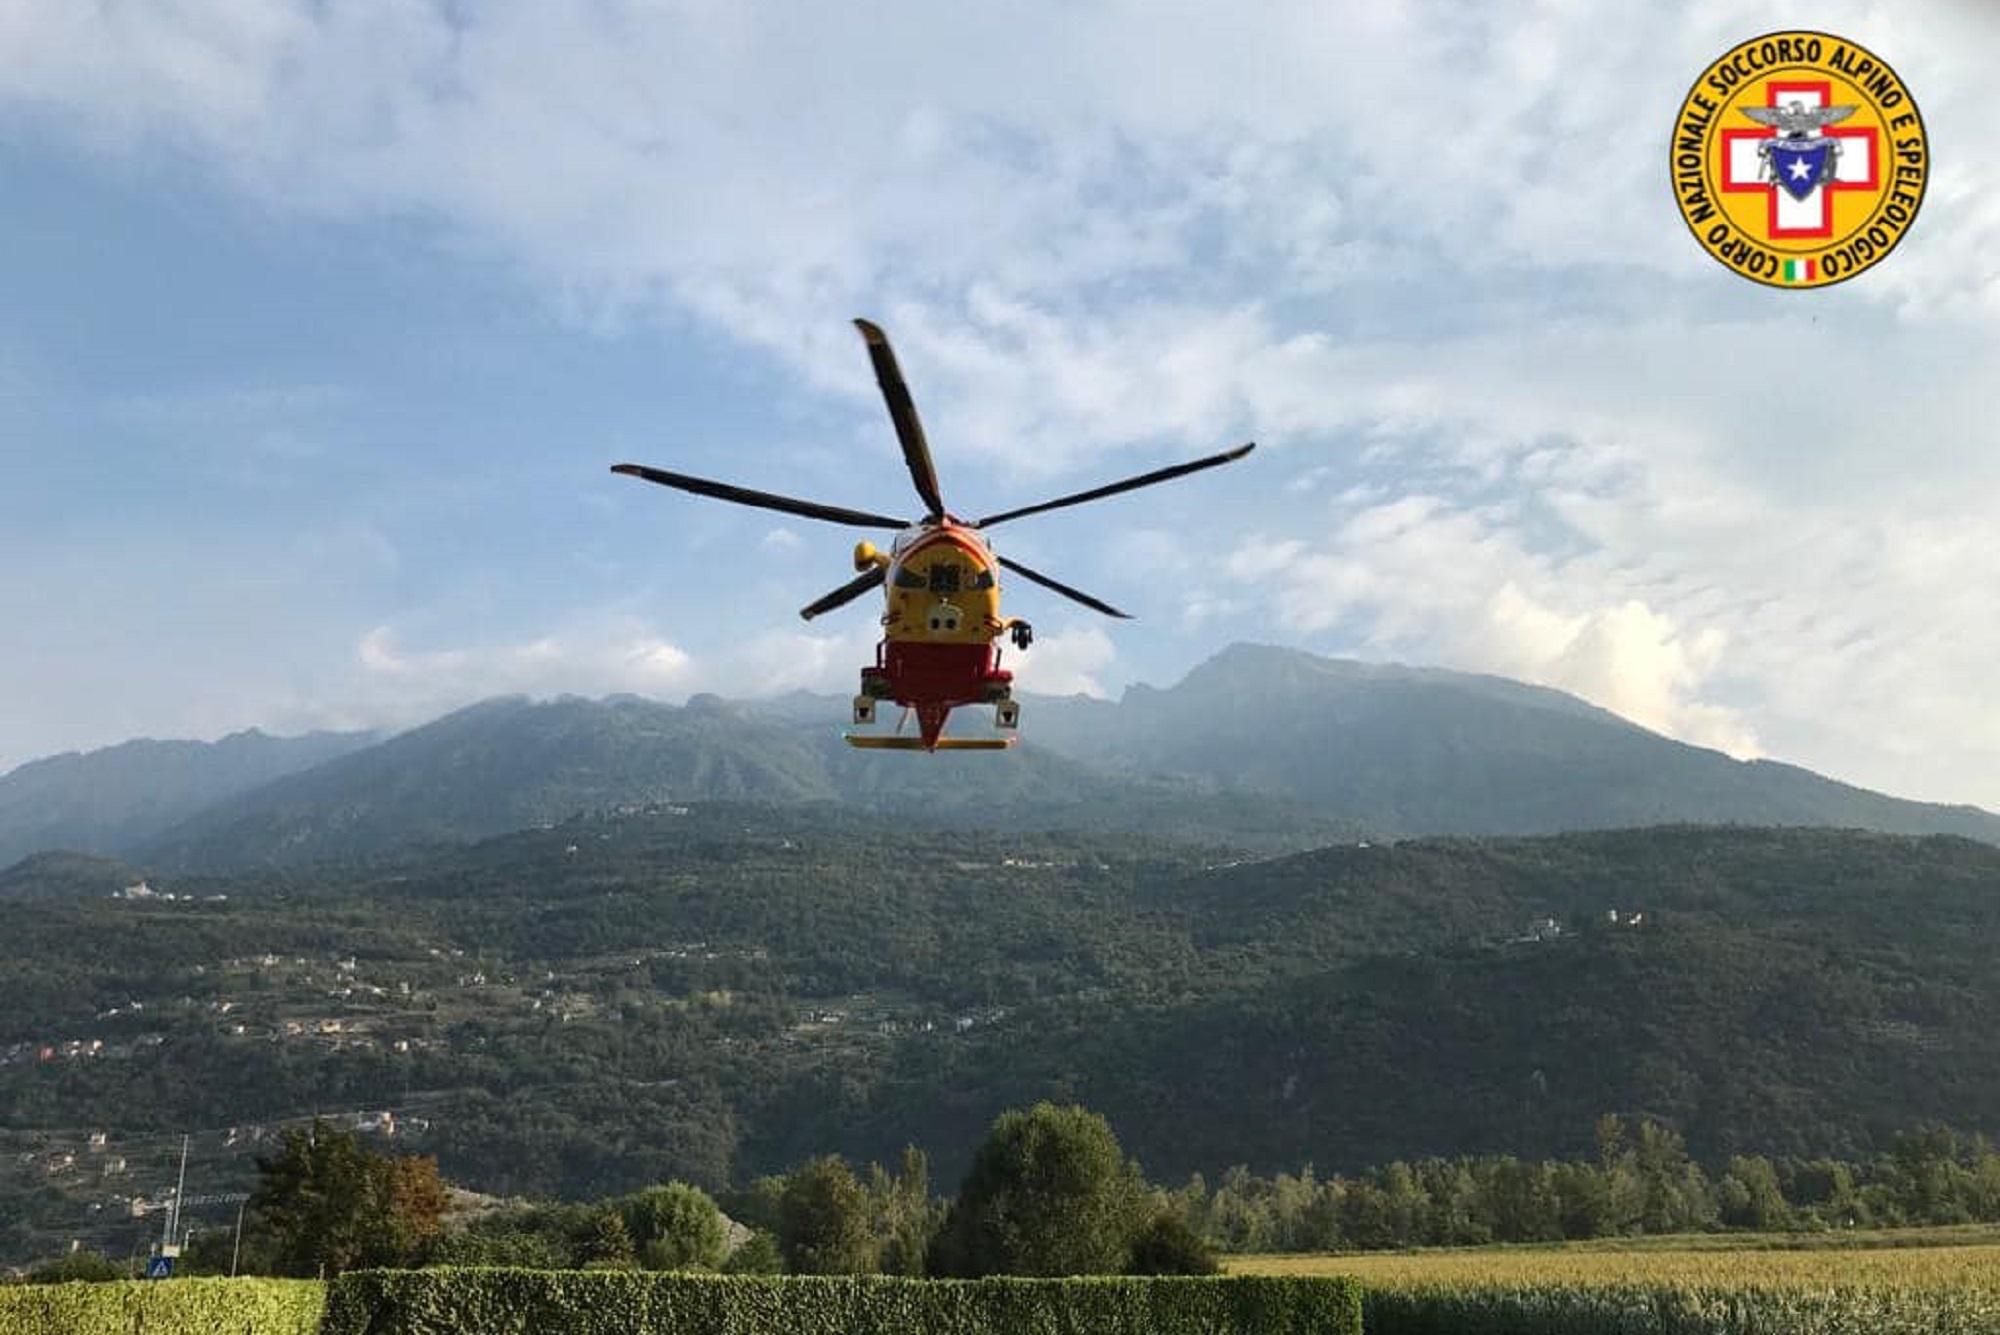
column 1799, row 159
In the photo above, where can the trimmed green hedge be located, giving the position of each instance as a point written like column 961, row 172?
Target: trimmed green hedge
column 164, row 1307
column 1551, row 1309
column 610, row 1302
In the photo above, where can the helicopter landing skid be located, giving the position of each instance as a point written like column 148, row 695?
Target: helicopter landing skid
column 892, row 742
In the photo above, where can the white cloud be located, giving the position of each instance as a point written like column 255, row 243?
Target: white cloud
column 1066, row 663
column 1417, row 579
column 1000, row 210
column 1837, row 630
column 405, row 685
column 603, row 656
column 795, row 660
column 1412, row 246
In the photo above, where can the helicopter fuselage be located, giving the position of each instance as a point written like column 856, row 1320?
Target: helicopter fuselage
column 939, row 627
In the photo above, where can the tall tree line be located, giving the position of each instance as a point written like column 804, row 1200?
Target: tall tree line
column 1640, row 1180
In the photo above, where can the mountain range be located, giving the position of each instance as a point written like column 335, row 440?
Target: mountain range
column 1414, row 751
column 1291, row 909
column 1259, row 747
column 117, row 799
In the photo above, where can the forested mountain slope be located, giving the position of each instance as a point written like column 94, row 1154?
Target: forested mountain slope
column 510, row 764
column 720, row 990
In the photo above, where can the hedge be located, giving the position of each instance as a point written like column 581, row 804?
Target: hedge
column 164, row 1307
column 611, row 1302
column 1554, row 1309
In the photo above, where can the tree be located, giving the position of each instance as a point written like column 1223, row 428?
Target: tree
column 905, row 1216
column 1456, row 1218
column 498, row 1246
column 327, row 1202
column 1049, row 1193
column 1587, row 1203
column 1750, row 1196
column 1610, row 1137
column 1299, row 1214
column 1924, row 1171
column 606, row 1243
column 1985, row 1184
column 1169, row 1246
column 1366, row 1217
column 759, row 1206
column 414, row 1214
column 1238, row 1215
column 1672, row 1191
column 759, row 1255
column 1826, row 1190
column 823, row 1221
column 676, row 1227
column 1406, row 1204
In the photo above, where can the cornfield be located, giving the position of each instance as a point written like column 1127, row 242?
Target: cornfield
column 1904, row 1267
column 1680, row 1310
column 1556, row 1291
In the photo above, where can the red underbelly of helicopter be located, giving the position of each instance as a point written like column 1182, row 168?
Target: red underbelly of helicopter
column 918, row 673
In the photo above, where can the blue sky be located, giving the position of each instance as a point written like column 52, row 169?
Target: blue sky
column 319, row 326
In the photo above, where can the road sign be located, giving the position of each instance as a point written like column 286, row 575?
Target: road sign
column 159, row 1267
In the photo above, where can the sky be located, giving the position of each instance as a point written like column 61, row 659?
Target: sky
column 320, row 325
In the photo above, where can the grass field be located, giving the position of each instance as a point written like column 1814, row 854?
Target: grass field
column 1920, row 1258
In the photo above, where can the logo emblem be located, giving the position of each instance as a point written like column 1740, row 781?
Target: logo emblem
column 1799, row 159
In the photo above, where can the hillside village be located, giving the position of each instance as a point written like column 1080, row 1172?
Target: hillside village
column 620, row 998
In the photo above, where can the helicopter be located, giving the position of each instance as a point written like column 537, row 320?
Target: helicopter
column 941, row 578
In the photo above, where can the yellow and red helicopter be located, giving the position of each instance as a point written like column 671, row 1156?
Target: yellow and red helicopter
column 942, row 580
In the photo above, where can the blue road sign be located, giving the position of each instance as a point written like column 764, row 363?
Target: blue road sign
column 159, row 1267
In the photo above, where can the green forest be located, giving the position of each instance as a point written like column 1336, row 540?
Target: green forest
column 1050, row 1192
column 715, row 993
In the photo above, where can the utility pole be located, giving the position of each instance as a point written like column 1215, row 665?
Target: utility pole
column 180, row 1190
column 162, row 1264
column 237, row 1250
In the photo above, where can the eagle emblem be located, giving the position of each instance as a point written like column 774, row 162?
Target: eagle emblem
column 1799, row 158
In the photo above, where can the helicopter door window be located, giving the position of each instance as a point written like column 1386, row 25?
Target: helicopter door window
column 983, row 580
column 909, row 579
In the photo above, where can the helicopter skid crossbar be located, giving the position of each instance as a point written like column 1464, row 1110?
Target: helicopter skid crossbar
column 895, row 742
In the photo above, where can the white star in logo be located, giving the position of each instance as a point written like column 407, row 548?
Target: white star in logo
column 1799, row 170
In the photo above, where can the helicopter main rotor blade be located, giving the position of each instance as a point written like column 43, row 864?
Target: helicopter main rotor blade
column 1129, row 484
column 1065, row 590
column 903, row 412
column 763, row 500
column 846, row 593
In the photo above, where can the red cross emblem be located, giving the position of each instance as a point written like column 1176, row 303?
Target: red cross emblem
column 1859, row 166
